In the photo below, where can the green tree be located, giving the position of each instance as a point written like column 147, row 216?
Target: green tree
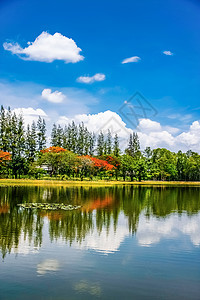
column 41, row 133
column 100, row 144
column 133, row 145
column 116, row 150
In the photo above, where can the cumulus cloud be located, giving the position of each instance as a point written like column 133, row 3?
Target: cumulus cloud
column 151, row 133
column 54, row 97
column 47, row 48
column 101, row 122
column 191, row 138
column 30, row 114
column 91, row 79
column 169, row 53
column 131, row 59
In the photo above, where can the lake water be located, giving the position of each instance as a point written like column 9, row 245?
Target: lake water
column 126, row 242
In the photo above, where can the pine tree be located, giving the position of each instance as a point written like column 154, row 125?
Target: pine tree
column 59, row 136
column 74, row 137
column 64, row 137
column 28, row 141
column 80, row 139
column 3, row 140
column 41, row 133
column 100, row 144
column 18, row 146
column 91, row 143
column 31, row 138
column 54, row 135
column 86, row 141
column 109, row 143
column 116, row 150
column 8, row 129
column 20, row 136
column 133, row 145
column 68, row 134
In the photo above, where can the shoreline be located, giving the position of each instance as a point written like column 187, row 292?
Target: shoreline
column 36, row 182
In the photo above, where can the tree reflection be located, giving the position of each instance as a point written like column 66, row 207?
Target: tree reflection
column 101, row 207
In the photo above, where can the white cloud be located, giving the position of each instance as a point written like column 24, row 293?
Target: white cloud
column 91, row 79
column 20, row 94
column 30, row 114
column 148, row 125
column 101, row 122
column 151, row 133
column 155, row 135
column 191, row 139
column 47, row 48
column 54, row 97
column 131, row 59
column 169, row 53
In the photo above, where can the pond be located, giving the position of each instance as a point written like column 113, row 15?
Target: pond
column 125, row 242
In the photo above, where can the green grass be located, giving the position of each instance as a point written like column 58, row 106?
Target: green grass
column 25, row 182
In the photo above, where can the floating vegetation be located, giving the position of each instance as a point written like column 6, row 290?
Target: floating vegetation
column 49, row 206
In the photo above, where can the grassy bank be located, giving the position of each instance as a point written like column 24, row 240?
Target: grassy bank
column 25, row 182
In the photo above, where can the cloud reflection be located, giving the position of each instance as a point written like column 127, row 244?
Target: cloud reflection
column 151, row 231
column 48, row 266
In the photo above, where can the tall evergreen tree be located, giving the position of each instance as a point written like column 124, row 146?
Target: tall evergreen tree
column 31, row 139
column 3, row 139
column 59, row 136
column 133, row 145
column 86, row 141
column 100, row 144
column 116, row 150
column 74, row 137
column 41, row 133
column 91, row 143
column 109, row 142
column 80, row 139
column 54, row 135
column 8, row 129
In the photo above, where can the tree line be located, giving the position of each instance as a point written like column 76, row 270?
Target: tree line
column 76, row 152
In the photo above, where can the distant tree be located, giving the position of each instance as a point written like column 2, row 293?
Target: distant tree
column 109, row 143
column 116, row 149
column 31, row 142
column 100, row 144
column 53, row 136
column 41, row 133
column 74, row 137
column 133, row 145
column 91, row 138
column 59, row 136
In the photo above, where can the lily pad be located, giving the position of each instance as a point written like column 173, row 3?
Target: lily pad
column 49, row 206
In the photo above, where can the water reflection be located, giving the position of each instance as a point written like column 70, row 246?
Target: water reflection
column 107, row 217
column 153, row 230
column 48, row 265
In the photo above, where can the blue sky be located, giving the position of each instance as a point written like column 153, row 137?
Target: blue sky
column 107, row 32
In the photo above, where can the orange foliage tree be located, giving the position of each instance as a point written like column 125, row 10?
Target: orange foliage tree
column 53, row 150
column 5, row 157
column 98, row 165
